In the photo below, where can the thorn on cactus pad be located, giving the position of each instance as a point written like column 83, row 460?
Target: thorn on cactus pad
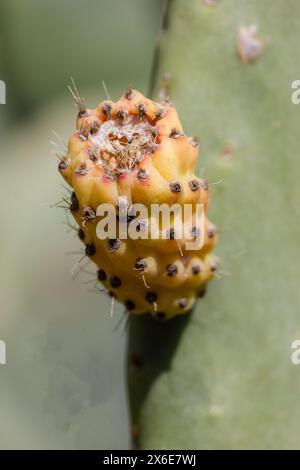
column 114, row 244
column 175, row 187
column 194, row 141
column 74, row 206
column 166, row 101
column 194, row 185
column 175, row 134
column 115, row 281
column 88, row 213
column 130, row 305
column 81, row 234
column 63, row 164
column 228, row 153
column 213, row 267
column 196, row 269
column 81, row 170
column 204, row 185
column 108, row 176
column 249, row 46
column 129, row 94
column 142, row 174
column 112, row 306
column 195, row 232
column 144, row 281
column 105, row 89
column 82, row 114
column 141, row 264
column 171, row 234
column 92, row 155
column 122, row 114
column 142, row 225
column 74, row 197
column 107, row 109
column 151, row 297
column 141, row 109
column 101, row 275
column 179, row 248
column 160, row 113
column 95, row 126
column 90, row 249
column 154, row 132
column 160, row 315
column 165, row 88
column 171, row 270
column 82, row 137
column 183, row 303
column 78, row 100
column 202, row 293
column 211, row 232
column 130, row 215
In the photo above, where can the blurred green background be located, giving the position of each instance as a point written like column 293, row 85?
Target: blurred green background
column 63, row 384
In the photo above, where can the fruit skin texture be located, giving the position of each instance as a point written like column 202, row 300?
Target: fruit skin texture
column 136, row 148
column 222, row 378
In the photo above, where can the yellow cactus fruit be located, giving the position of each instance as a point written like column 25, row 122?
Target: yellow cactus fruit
column 135, row 150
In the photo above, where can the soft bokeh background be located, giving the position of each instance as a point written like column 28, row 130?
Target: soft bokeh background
column 63, row 385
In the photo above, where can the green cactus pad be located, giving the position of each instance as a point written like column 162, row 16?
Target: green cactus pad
column 223, row 377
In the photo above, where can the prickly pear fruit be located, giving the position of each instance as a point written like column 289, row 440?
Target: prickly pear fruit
column 134, row 151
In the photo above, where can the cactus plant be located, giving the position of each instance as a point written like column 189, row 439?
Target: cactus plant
column 132, row 152
column 222, row 377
